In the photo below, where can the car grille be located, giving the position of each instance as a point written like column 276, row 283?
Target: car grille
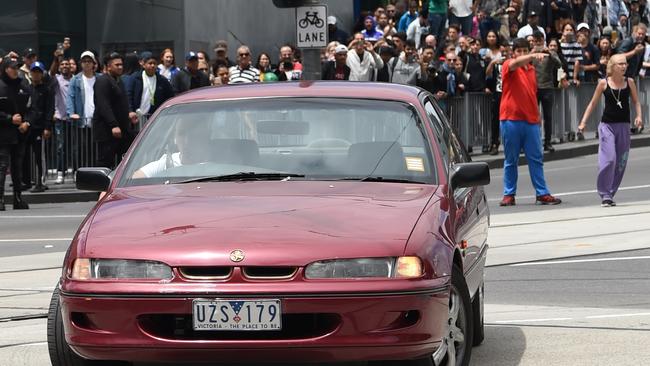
column 223, row 272
column 269, row 273
column 294, row 326
column 206, row 273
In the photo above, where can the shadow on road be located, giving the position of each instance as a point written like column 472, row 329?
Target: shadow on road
column 503, row 346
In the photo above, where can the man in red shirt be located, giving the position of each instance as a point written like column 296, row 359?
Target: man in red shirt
column 337, row 69
column 520, row 127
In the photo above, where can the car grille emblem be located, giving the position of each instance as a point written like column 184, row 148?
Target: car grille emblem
column 237, row 255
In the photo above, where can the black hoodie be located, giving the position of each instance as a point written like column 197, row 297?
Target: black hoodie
column 14, row 94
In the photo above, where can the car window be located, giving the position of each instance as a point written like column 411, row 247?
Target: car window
column 320, row 138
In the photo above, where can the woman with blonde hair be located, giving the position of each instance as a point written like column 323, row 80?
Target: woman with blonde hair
column 614, row 128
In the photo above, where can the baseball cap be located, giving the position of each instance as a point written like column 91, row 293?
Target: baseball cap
column 191, row 55
column 88, row 54
column 532, row 14
column 331, row 19
column 29, row 52
column 37, row 65
column 221, row 45
column 145, row 55
column 582, row 26
column 8, row 62
column 341, row 49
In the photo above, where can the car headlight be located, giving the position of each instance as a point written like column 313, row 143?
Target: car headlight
column 389, row 267
column 85, row 269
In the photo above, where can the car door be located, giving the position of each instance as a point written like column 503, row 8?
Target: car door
column 469, row 211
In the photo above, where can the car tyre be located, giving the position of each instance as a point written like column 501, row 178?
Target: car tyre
column 478, row 314
column 460, row 328
column 60, row 352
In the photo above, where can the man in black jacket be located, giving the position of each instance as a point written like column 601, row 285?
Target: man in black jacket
column 39, row 115
column 14, row 94
column 189, row 77
column 112, row 122
column 149, row 90
column 337, row 69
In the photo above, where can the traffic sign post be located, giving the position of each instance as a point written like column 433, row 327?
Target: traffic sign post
column 311, row 36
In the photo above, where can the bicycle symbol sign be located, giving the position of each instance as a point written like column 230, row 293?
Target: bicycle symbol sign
column 311, row 28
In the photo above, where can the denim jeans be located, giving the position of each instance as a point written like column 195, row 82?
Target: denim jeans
column 464, row 22
column 515, row 136
column 60, row 136
column 437, row 26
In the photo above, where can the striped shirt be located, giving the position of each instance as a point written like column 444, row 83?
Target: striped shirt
column 239, row 75
column 571, row 52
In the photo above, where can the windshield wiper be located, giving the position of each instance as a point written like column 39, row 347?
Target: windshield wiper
column 243, row 176
column 382, row 179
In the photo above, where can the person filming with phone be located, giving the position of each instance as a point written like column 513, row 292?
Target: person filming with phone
column 362, row 60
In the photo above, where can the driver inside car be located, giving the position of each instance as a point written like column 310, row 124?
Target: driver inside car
column 192, row 144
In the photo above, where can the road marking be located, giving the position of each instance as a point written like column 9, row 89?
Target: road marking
column 575, row 193
column 581, row 261
column 33, row 240
column 615, row 316
column 44, row 217
column 530, row 320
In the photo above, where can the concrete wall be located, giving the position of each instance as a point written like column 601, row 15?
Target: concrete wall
column 198, row 24
column 256, row 23
column 134, row 21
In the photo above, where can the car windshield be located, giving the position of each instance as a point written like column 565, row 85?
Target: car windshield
column 283, row 138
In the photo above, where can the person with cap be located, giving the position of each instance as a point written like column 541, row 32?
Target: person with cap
column 243, row 72
column 189, row 77
column 39, row 114
column 29, row 57
column 14, row 96
column 221, row 54
column 590, row 64
column 149, row 89
column 80, row 106
column 531, row 27
column 333, row 31
column 543, row 10
column 370, row 31
column 337, row 69
column 520, row 129
column 112, row 122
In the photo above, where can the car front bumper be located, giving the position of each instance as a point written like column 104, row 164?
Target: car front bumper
column 391, row 326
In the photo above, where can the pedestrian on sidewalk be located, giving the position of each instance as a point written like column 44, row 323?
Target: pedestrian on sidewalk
column 520, row 127
column 614, row 128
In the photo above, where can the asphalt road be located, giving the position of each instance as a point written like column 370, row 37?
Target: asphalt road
column 567, row 284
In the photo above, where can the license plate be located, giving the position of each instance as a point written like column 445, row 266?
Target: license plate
column 237, row 315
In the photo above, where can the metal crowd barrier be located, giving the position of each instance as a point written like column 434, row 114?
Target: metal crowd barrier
column 72, row 144
column 470, row 114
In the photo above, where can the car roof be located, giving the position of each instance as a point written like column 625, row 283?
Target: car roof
column 335, row 89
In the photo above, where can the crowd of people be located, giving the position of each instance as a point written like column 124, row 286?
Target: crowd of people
column 448, row 47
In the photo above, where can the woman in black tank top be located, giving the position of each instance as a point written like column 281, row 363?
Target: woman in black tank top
column 614, row 128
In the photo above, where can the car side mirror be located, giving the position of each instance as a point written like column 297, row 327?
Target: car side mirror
column 465, row 175
column 93, row 179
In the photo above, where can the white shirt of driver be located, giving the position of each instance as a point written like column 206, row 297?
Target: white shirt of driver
column 156, row 167
column 89, row 101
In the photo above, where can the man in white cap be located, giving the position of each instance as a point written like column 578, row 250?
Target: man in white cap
column 80, row 106
column 334, row 33
column 337, row 69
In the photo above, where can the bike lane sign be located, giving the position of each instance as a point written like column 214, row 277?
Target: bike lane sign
column 311, row 26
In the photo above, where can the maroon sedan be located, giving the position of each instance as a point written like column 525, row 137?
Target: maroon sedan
column 292, row 222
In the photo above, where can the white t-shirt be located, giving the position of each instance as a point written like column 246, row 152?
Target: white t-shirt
column 89, row 101
column 461, row 8
column 156, row 167
column 148, row 91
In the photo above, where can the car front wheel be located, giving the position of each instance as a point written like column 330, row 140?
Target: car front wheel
column 60, row 352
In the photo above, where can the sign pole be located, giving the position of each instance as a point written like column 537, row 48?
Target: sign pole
column 311, row 36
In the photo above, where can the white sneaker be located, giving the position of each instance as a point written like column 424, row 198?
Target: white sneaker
column 59, row 178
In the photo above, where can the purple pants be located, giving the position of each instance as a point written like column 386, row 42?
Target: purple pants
column 613, row 152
